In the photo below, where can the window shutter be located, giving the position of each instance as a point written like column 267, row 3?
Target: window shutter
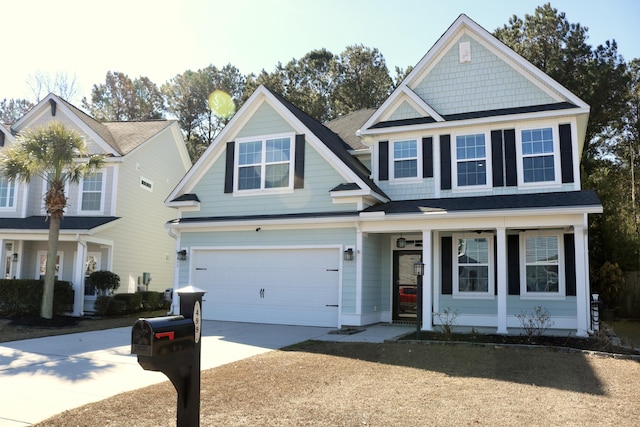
column 383, row 162
column 1, row 139
column 445, row 162
column 510, row 158
column 228, row 173
column 497, row 162
column 447, row 266
column 427, row 157
column 298, row 167
column 566, row 153
column 513, row 264
column 570, row 264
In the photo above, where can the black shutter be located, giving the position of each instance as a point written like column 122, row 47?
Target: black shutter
column 447, row 265
column 228, row 173
column 427, row 157
column 566, row 153
column 495, row 270
column 1, row 139
column 513, row 264
column 298, row 167
column 570, row 264
column 497, row 163
column 510, row 158
column 445, row 162
column 383, row 162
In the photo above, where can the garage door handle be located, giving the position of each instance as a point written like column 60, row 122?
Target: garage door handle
column 331, row 305
column 332, row 269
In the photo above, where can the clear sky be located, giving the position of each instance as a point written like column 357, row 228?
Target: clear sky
column 162, row 38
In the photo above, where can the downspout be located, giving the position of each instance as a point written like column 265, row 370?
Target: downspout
column 175, row 305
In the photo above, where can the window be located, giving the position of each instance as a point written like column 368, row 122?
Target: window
column 42, row 265
column 264, row 164
column 542, row 258
column 92, row 192
column 471, row 160
column 405, row 159
column 7, row 190
column 538, row 163
column 473, row 266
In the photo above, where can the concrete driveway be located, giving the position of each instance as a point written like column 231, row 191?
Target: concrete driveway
column 45, row 376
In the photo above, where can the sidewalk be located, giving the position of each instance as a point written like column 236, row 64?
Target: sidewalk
column 45, row 376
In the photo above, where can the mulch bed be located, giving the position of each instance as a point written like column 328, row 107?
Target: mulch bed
column 40, row 322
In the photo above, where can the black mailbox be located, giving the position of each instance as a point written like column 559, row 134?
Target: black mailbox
column 161, row 336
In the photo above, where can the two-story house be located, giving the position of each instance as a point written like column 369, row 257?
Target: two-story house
column 115, row 218
column 470, row 168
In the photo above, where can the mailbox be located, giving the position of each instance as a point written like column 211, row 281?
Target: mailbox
column 161, row 336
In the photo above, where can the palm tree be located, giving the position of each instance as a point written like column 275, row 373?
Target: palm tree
column 58, row 154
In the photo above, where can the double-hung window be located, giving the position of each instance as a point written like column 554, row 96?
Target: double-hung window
column 538, row 162
column 92, row 188
column 471, row 160
column 7, row 193
column 264, row 163
column 405, row 159
column 541, row 260
column 473, row 266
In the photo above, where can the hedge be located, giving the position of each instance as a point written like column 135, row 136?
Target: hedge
column 129, row 303
column 24, row 297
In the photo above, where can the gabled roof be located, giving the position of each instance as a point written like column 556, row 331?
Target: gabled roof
column 418, row 111
column 346, row 126
column 116, row 138
column 323, row 138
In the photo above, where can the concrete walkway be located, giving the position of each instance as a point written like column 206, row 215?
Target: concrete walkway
column 45, row 376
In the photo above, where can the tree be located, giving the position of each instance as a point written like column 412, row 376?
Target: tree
column 362, row 80
column 13, row 109
column 121, row 98
column 59, row 155
column 61, row 84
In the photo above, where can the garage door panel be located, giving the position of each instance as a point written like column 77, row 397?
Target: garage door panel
column 282, row 286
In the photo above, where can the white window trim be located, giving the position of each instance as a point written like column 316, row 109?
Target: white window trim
column 262, row 189
column 562, row 289
column 490, row 293
column 102, row 195
column 454, row 162
column 11, row 186
column 418, row 158
column 557, row 172
column 41, row 254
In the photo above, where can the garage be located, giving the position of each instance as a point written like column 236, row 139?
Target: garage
column 287, row 286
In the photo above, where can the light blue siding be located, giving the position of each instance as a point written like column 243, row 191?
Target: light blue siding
column 265, row 121
column 404, row 111
column 485, row 83
column 375, row 272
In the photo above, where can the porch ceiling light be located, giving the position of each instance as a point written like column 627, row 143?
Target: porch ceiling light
column 182, row 255
column 348, row 254
column 401, row 242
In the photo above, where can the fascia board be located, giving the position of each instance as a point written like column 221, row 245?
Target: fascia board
column 283, row 222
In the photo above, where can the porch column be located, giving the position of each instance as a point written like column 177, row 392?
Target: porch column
column 78, row 279
column 501, row 268
column 582, row 281
column 427, row 282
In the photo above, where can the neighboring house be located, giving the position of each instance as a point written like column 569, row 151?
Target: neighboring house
column 115, row 218
column 471, row 166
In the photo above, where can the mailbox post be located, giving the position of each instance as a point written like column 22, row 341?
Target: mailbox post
column 172, row 345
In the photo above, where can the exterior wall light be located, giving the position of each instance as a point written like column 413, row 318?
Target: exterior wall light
column 15, row 258
column 348, row 254
column 182, row 255
column 401, row 242
column 418, row 269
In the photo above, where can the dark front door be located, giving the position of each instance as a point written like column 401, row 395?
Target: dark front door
column 405, row 295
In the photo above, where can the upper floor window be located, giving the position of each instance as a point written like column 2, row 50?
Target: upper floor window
column 540, row 264
column 7, row 193
column 471, row 160
column 405, row 159
column 92, row 189
column 538, row 163
column 473, row 266
column 264, row 163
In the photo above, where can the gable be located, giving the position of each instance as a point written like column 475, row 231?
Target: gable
column 404, row 111
column 483, row 82
column 264, row 121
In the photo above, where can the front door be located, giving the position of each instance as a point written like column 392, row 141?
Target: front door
column 405, row 295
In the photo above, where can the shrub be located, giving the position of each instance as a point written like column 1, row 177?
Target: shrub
column 108, row 306
column 152, row 300
column 608, row 281
column 24, row 297
column 105, row 282
column 535, row 324
column 133, row 302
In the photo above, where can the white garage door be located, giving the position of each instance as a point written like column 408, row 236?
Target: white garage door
column 280, row 286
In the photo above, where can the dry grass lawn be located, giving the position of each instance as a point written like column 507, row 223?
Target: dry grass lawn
column 395, row 384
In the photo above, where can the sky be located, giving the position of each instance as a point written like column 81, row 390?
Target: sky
column 160, row 39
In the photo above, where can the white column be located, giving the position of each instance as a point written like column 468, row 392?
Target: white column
column 427, row 282
column 501, row 268
column 78, row 279
column 582, row 291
